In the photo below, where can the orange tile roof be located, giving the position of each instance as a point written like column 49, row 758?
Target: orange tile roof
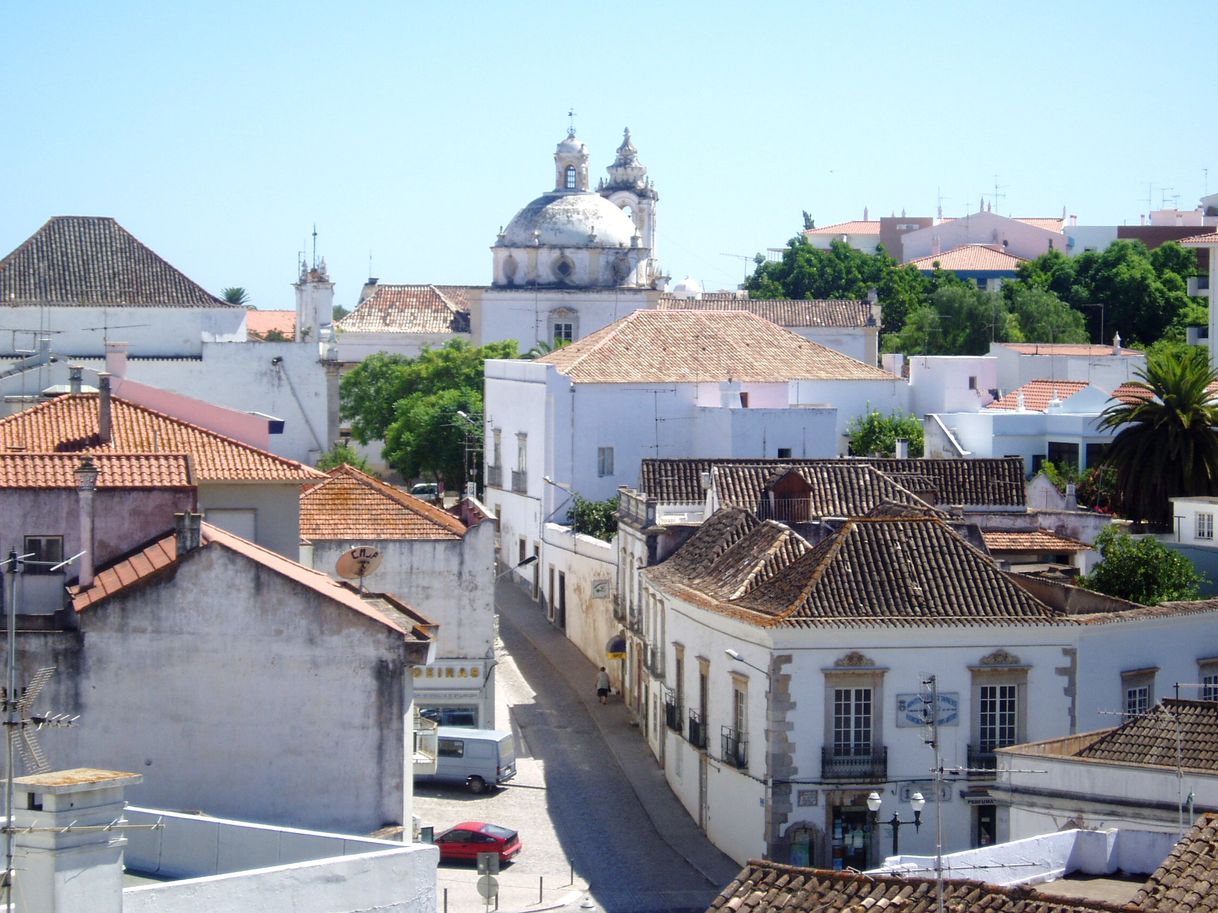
column 671, row 346
column 786, row 312
column 1037, row 394
column 162, row 554
column 970, row 256
column 1206, row 240
column 259, row 323
column 115, row 470
column 1038, row 540
column 69, row 424
column 411, row 309
column 1132, row 392
column 860, row 227
column 1066, row 348
column 352, row 505
column 1052, row 223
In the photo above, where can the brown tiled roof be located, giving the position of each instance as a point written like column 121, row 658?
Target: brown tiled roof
column 115, row 470
column 94, row 261
column 150, row 561
column 1186, row 879
column 997, row 482
column 906, row 572
column 259, row 323
column 1203, row 240
column 858, row 227
column 1151, row 738
column 786, row 312
column 411, row 309
column 837, row 488
column 970, row 257
column 69, row 424
column 1038, row 540
column 678, row 346
column 1133, row 392
column 771, row 887
column 1052, row 223
column 1037, row 394
column 1065, row 348
column 352, row 505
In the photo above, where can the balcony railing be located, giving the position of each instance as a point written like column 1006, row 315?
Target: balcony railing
column 871, row 764
column 735, row 748
column 494, row 476
column 697, row 732
column 980, row 760
column 672, row 717
column 520, row 482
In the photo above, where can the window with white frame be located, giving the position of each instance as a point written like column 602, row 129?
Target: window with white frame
column 999, row 712
column 852, row 736
column 1138, row 688
column 563, row 331
column 522, row 453
column 572, row 180
column 740, row 705
column 1208, row 669
column 604, row 461
column 497, row 451
column 998, row 716
column 41, row 553
column 1205, row 526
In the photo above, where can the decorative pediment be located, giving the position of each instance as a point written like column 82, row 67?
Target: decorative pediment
column 1000, row 657
column 854, row 660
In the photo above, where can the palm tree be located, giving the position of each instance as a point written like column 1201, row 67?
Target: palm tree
column 1167, row 445
column 235, row 294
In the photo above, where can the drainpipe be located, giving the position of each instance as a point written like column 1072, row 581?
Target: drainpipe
column 86, row 484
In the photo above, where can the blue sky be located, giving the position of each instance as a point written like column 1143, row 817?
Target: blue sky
column 219, row 133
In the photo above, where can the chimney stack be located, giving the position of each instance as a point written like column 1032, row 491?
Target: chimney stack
column 188, row 532
column 103, row 407
column 1116, row 343
column 75, row 373
column 116, row 358
column 86, row 484
column 902, row 449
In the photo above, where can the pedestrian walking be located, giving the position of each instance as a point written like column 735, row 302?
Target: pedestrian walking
column 602, row 685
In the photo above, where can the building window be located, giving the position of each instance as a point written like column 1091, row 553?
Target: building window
column 998, row 716
column 851, row 722
column 1061, row 454
column 564, row 268
column 784, row 453
column 44, row 552
column 1205, row 526
column 972, row 382
column 1095, row 454
column 678, row 668
column 572, row 178
column 563, row 332
column 497, row 459
column 1138, row 687
column 524, row 553
column 604, row 461
column 1209, row 679
column 522, row 452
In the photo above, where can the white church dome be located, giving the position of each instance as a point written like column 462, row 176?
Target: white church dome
column 689, row 287
column 569, row 220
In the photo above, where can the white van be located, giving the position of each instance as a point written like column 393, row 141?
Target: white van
column 477, row 758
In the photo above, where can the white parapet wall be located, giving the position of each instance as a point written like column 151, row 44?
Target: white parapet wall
column 218, row 865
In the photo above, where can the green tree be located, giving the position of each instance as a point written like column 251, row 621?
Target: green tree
column 338, row 312
column 235, row 294
column 1166, row 445
column 1141, row 570
column 412, row 404
column 875, row 433
column 342, row 454
column 959, row 319
column 594, row 518
column 1043, row 317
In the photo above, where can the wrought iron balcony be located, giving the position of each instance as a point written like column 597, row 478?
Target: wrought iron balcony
column 697, row 732
column 672, row 717
column 867, row 765
column 735, row 748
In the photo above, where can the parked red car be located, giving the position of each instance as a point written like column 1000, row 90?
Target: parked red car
column 468, row 839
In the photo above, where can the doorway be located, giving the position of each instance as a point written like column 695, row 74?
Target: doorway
column 985, row 829
column 560, row 609
column 850, row 838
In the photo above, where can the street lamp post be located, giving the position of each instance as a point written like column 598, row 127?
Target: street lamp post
column 917, row 802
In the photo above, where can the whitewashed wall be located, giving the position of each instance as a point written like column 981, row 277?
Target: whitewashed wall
column 851, row 399
column 1105, row 371
column 586, row 563
column 940, row 383
column 153, row 332
column 1018, row 238
column 524, row 314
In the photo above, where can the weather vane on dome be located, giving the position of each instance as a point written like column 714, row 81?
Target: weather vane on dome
column 571, row 128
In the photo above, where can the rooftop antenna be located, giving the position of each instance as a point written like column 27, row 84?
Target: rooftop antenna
column 1165, row 194
column 571, row 126
column 358, row 562
column 747, row 260
column 998, row 194
column 1150, row 192
column 314, row 245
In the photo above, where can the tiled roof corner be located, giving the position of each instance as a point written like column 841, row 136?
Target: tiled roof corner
column 1037, row 394
column 1175, row 732
column 350, row 504
column 1185, row 881
column 411, row 309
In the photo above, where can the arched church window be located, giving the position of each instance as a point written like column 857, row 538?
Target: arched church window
column 572, row 178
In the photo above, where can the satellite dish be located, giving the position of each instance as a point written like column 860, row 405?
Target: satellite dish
column 358, row 562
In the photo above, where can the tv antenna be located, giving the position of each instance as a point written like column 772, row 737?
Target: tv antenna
column 358, row 562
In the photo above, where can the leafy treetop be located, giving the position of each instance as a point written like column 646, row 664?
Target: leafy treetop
column 1141, row 570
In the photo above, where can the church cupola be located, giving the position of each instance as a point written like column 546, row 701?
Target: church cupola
column 571, row 165
column 626, row 172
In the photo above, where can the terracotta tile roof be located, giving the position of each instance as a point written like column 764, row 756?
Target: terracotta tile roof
column 830, row 488
column 259, row 323
column 1037, row 394
column 983, row 482
column 1052, row 223
column 92, row 261
column 858, row 227
column 69, row 424
column 1065, row 348
column 771, row 887
column 652, row 346
column 155, row 558
column 350, row 504
column 1185, row 881
column 411, row 309
column 908, row 572
column 1133, row 391
column 971, row 257
column 786, row 312
column 1037, row 540
column 1206, row 240
column 1151, row 737
column 115, row 470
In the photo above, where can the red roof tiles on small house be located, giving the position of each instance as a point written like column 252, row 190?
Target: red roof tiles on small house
column 970, row 257
column 1036, row 540
column 70, row 424
column 1037, row 394
column 115, row 470
column 350, row 504
column 679, row 346
column 1209, row 239
column 411, row 309
column 259, row 323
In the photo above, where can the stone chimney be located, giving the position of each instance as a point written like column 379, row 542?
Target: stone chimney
column 86, row 485
column 66, row 854
column 1116, row 343
column 116, row 358
column 902, row 449
column 188, row 532
column 75, row 375
column 103, row 407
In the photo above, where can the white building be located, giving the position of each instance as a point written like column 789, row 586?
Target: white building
column 403, row 320
column 775, row 746
column 437, row 562
column 1025, row 238
column 1105, row 366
